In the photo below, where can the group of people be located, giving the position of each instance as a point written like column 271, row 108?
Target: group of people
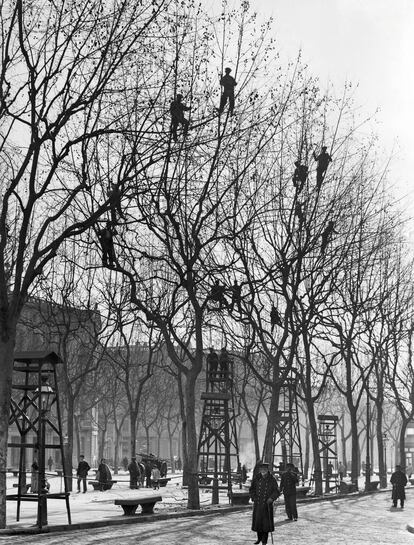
column 217, row 294
column 264, row 490
column 146, row 472
column 299, row 178
column 178, row 108
column 218, row 366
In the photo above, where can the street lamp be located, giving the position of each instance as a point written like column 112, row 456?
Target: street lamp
column 385, row 438
column 45, row 395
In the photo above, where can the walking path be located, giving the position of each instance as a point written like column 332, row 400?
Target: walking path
column 95, row 509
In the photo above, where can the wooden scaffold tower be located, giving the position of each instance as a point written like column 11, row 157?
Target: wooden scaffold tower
column 218, row 451
column 35, row 412
column 287, row 447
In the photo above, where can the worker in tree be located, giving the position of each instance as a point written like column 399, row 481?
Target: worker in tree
column 224, row 362
column 275, row 318
column 323, row 160
column 212, row 364
column 177, row 109
column 326, row 235
column 114, row 196
column 299, row 213
column 300, row 175
column 217, row 294
column 236, row 296
column 228, row 83
column 106, row 239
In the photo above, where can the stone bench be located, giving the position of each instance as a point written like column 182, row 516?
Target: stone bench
column 301, row 491
column 129, row 505
column 97, row 485
column 239, row 498
column 373, row 485
column 347, row 488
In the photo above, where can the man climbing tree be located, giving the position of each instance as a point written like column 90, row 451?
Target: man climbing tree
column 326, row 235
column 212, row 364
column 177, row 109
column 114, row 196
column 323, row 160
column 300, row 175
column 275, row 318
column 228, row 83
column 106, row 239
column 217, row 294
column 236, row 297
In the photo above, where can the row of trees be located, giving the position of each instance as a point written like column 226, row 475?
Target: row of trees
column 85, row 101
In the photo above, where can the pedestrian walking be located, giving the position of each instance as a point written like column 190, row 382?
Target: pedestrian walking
column 288, row 483
column 104, row 476
column 148, row 471
column 82, row 473
column 134, row 474
column 50, row 463
column 34, row 481
column 263, row 492
column 155, row 477
column 341, row 471
column 398, row 481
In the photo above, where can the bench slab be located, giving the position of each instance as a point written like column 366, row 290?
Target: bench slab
column 105, row 486
column 129, row 505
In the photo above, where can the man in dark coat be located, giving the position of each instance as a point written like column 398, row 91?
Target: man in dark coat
column 134, row 474
column 398, row 481
column 263, row 492
column 323, row 160
column 228, row 83
column 177, row 109
column 212, row 364
column 299, row 176
column 104, row 476
column 106, row 238
column 288, row 483
column 82, row 472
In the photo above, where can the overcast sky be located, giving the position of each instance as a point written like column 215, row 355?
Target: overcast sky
column 370, row 42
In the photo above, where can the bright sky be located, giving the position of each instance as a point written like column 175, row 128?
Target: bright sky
column 370, row 42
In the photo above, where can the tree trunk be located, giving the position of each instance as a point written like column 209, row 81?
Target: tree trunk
column 271, row 425
column 193, row 501
column 116, row 452
column 307, row 452
column 6, row 375
column 133, row 428
column 67, row 469
column 355, row 461
column 171, row 449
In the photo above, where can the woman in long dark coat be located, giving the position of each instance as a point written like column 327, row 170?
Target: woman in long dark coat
column 263, row 492
column 104, row 475
column 398, row 481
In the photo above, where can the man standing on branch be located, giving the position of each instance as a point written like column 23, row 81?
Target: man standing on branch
column 228, row 83
column 177, row 109
column 323, row 160
column 263, row 492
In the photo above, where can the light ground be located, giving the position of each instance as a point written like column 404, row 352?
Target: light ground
column 359, row 520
